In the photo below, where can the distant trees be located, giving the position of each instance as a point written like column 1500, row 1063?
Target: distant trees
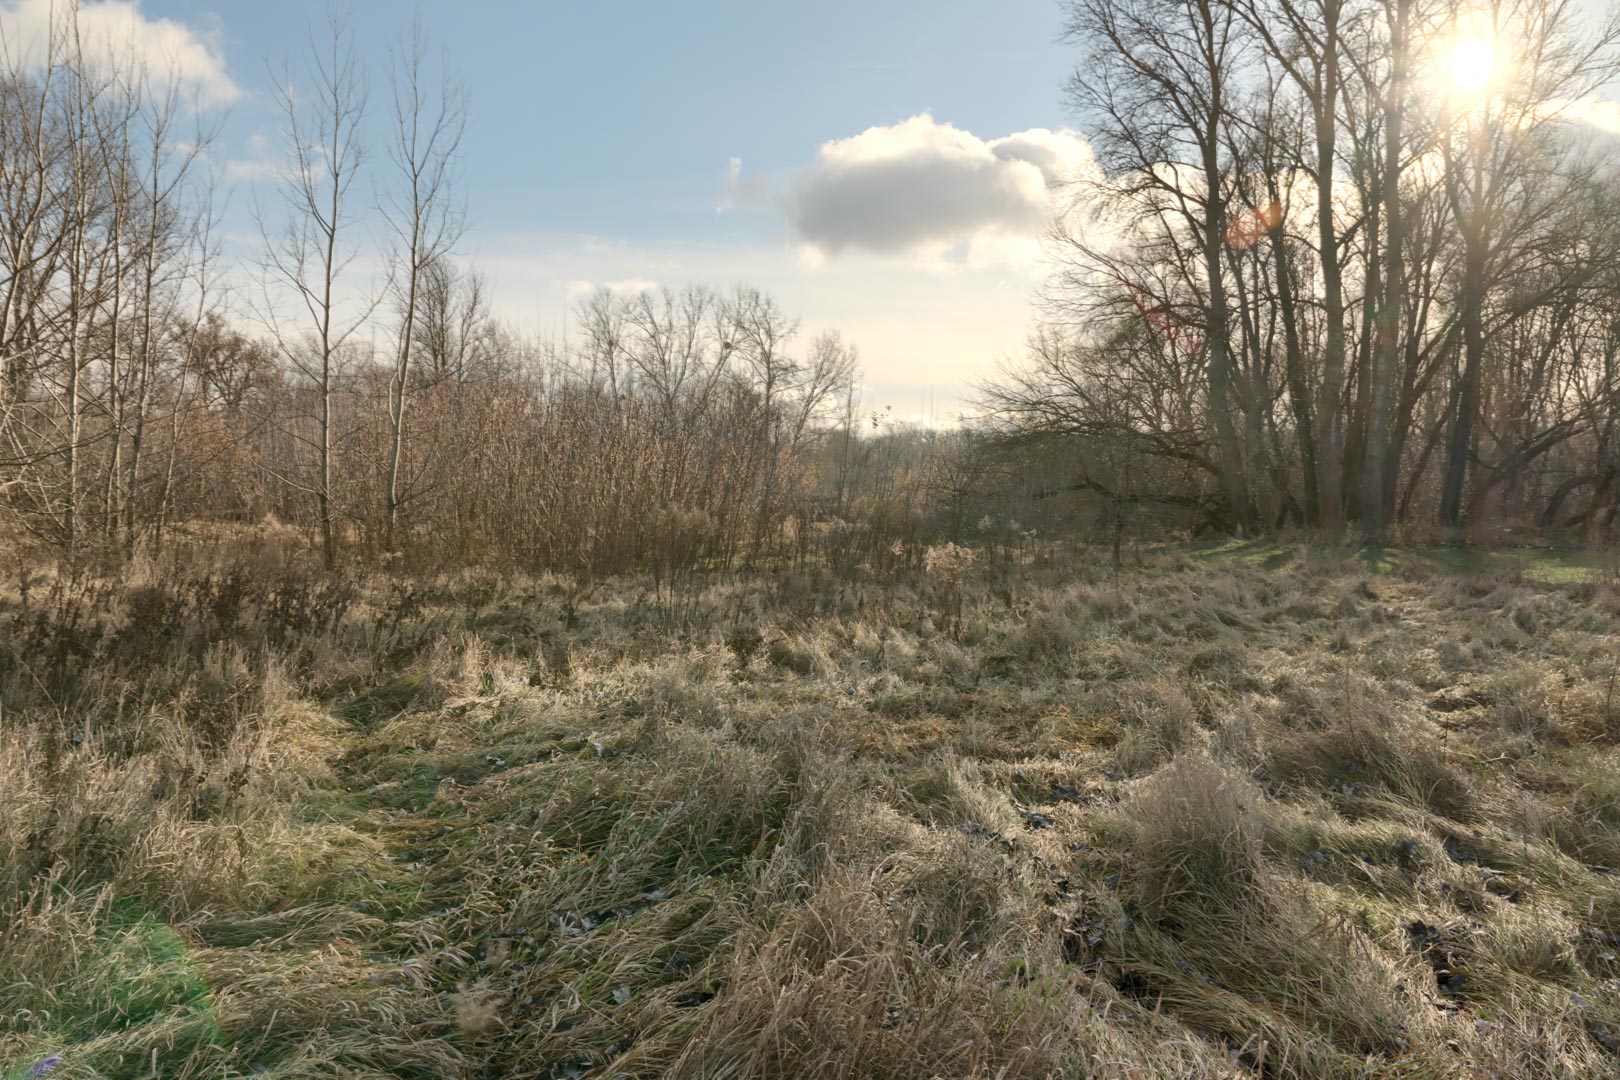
column 722, row 408
column 387, row 413
column 1350, row 259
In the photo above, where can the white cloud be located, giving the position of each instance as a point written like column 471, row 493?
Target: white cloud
column 1598, row 113
column 747, row 191
column 118, row 32
column 623, row 287
column 932, row 191
column 259, row 164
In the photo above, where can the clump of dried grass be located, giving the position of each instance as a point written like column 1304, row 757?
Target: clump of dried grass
column 839, row 987
column 1197, row 840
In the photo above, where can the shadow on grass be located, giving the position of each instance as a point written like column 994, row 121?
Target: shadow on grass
column 1549, row 566
column 136, row 986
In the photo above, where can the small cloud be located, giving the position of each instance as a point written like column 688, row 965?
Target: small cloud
column 631, row 286
column 936, row 193
column 1595, row 112
column 259, row 164
column 625, row 287
column 740, row 190
column 252, row 171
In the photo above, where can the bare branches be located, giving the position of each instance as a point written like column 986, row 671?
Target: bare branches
column 1370, row 249
column 323, row 143
column 424, row 217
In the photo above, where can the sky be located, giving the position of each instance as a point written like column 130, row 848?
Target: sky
column 881, row 167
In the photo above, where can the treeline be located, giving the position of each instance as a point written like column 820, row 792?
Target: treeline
column 1345, row 265
column 1348, row 263
column 149, row 383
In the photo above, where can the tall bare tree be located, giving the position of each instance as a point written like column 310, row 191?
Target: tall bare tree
column 1378, row 479
column 1502, row 172
column 424, row 218
column 322, row 110
column 1156, row 88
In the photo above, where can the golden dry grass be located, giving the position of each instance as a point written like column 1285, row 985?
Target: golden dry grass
column 1209, row 816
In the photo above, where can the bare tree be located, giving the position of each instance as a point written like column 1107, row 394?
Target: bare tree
column 452, row 327
column 422, row 213
column 1307, row 41
column 1501, row 175
column 1419, row 305
column 171, row 235
column 1157, row 86
column 34, row 233
column 304, row 259
column 1378, row 479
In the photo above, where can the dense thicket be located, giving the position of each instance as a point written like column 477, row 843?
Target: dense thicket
column 1344, row 261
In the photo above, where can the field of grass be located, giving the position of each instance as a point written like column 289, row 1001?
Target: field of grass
column 1228, row 811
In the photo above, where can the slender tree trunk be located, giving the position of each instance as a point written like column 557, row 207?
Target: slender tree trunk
column 398, row 387
column 1376, row 492
column 324, row 493
column 324, row 490
column 1294, row 358
column 115, row 392
column 1358, row 386
column 70, row 516
column 1461, row 440
column 1233, row 473
column 78, row 297
column 143, row 385
column 1330, row 408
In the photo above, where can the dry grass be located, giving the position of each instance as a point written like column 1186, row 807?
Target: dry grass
column 1213, row 817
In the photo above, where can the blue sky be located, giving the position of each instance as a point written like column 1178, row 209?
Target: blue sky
column 619, row 118
column 603, row 140
column 884, row 168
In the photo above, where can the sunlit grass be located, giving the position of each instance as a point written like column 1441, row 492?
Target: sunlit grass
column 1321, row 809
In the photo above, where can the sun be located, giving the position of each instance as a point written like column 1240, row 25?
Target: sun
column 1472, row 66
